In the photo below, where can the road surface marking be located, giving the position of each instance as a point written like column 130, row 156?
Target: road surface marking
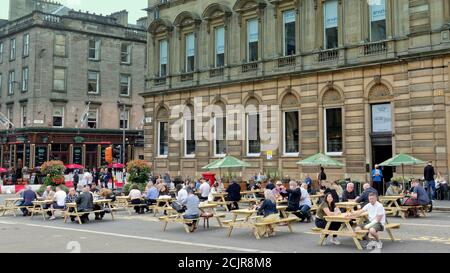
column 143, row 238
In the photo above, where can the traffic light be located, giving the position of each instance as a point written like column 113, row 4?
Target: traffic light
column 117, row 152
column 109, row 155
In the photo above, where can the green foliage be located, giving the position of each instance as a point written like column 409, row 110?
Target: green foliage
column 138, row 171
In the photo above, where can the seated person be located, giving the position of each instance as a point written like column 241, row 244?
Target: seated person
column 339, row 191
column 94, row 188
column 441, row 187
column 71, row 198
column 364, row 197
column 28, row 196
column 349, row 194
column 192, row 208
column 377, row 219
column 268, row 209
column 277, row 190
column 308, row 181
column 204, row 189
column 305, row 204
column 234, row 195
column 328, row 208
column 214, row 190
column 393, row 189
column 327, row 188
column 135, row 196
column 152, row 194
column 270, row 185
column 85, row 203
column 59, row 201
column 105, row 194
column 419, row 197
column 293, row 194
column 181, row 194
column 48, row 195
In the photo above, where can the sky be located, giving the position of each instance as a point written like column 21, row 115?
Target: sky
column 134, row 7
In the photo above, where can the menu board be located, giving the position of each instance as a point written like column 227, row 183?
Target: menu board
column 41, row 155
column 77, row 155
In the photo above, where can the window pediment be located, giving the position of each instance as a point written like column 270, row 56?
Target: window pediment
column 243, row 6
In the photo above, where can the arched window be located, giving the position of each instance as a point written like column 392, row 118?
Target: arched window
column 253, row 128
column 288, row 30
column 333, row 121
column 187, row 24
column 160, row 31
column 379, row 97
column 291, row 125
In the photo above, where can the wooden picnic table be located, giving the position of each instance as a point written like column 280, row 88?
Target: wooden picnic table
column 10, row 205
column 77, row 214
column 222, row 202
column 247, row 221
column 210, row 208
column 162, row 204
column 349, row 206
column 346, row 229
column 392, row 203
column 41, row 206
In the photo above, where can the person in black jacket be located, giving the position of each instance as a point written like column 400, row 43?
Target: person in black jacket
column 428, row 175
column 293, row 193
column 85, row 202
column 234, row 195
column 349, row 193
column 364, row 197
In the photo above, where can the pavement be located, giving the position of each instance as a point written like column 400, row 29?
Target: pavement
column 143, row 234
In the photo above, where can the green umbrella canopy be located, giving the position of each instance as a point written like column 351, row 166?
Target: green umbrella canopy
column 226, row 163
column 320, row 160
column 402, row 159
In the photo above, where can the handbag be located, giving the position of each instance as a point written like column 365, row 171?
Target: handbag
column 178, row 207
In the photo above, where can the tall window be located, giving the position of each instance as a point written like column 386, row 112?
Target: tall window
column 331, row 24
column 125, row 53
column 253, row 135
column 59, row 79
column 60, row 45
column 92, row 118
column 333, row 130
column 189, row 143
column 26, row 45
column 163, row 58
column 377, row 11
column 23, row 114
column 163, row 138
column 10, row 114
column 94, row 50
column 1, row 53
column 1, row 84
column 25, row 76
column 11, row 82
column 220, row 135
column 190, row 52
column 124, row 119
column 93, row 82
column 289, row 32
column 219, row 46
column 125, row 85
column 252, row 40
column 291, row 133
column 12, row 49
column 58, row 116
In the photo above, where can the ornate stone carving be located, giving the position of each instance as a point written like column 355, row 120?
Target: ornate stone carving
column 331, row 96
column 379, row 91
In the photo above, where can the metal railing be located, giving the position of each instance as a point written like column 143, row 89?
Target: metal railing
column 249, row 67
column 328, row 55
column 375, row 48
column 286, row 61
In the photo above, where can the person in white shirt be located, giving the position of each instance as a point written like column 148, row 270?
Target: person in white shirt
column 87, row 179
column 204, row 190
column 305, row 204
column 135, row 196
column 377, row 219
column 181, row 194
column 214, row 190
column 59, row 201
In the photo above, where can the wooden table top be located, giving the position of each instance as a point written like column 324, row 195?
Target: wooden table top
column 347, row 204
column 391, row 197
column 220, row 194
column 244, row 211
column 39, row 202
column 14, row 199
column 207, row 206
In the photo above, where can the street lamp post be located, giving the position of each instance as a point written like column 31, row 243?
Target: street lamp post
column 122, row 108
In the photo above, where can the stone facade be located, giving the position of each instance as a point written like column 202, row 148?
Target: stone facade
column 74, row 30
column 408, row 70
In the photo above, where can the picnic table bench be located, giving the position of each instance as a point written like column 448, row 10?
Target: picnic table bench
column 77, row 214
column 392, row 205
column 177, row 218
column 347, row 230
column 163, row 204
column 252, row 222
column 208, row 210
column 249, row 197
column 348, row 206
column 10, row 206
column 41, row 207
column 221, row 202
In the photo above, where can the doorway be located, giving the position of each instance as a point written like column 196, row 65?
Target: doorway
column 381, row 153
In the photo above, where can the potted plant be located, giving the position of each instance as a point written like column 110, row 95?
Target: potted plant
column 54, row 175
column 138, row 173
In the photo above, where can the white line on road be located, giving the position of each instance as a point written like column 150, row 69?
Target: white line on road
column 142, row 238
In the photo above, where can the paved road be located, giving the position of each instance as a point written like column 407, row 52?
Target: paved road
column 143, row 233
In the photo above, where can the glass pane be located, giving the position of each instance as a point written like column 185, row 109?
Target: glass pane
column 331, row 36
column 254, row 143
column 190, row 64
column 190, row 45
column 291, row 133
column 331, row 24
column 289, row 36
column 377, row 10
column 163, row 139
column 252, row 29
column 220, row 40
column 334, row 130
column 378, row 31
column 163, row 52
column 190, row 137
column 220, row 137
column 220, row 60
column 253, row 52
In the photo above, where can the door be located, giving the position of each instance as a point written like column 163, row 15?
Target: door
column 381, row 153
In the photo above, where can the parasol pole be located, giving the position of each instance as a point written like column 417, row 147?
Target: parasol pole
column 403, row 175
